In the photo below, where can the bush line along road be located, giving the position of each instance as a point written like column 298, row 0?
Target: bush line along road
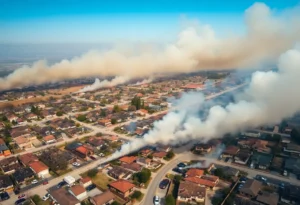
column 41, row 189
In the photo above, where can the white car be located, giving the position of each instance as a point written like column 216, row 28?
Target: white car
column 46, row 197
column 34, row 181
column 156, row 200
column 75, row 164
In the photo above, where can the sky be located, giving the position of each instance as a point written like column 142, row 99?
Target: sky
column 95, row 21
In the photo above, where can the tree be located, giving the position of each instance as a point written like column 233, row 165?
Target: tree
column 132, row 108
column 4, row 118
column 136, row 101
column 295, row 135
column 116, row 109
column 170, row 200
column 220, row 173
column 59, row 113
column 113, row 121
column 36, row 199
column 170, row 155
column 81, row 118
column 103, row 113
column 136, row 195
column 115, row 203
column 92, row 173
column 143, row 176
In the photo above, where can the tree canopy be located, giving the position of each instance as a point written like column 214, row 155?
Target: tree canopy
column 143, row 176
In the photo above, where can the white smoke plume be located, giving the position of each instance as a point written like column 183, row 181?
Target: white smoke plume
column 209, row 158
column 105, row 84
column 271, row 97
column 145, row 81
column 267, row 35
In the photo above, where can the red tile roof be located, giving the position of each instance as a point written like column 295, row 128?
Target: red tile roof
column 128, row 159
column 77, row 189
column 82, row 150
column 49, row 137
column 85, row 180
column 159, row 154
column 194, row 172
column 38, row 166
column 200, row 181
column 28, row 158
column 122, row 185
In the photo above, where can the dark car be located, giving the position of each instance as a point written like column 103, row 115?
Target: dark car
column 4, row 196
column 181, row 165
column 20, row 201
column 164, row 183
column 61, row 184
column 178, row 170
column 92, row 157
column 45, row 182
column 90, row 187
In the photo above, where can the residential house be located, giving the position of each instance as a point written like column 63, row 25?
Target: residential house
column 251, row 133
column 97, row 142
column 203, row 148
column 23, row 174
column 9, row 165
column 6, row 185
column 142, row 112
column 128, row 159
column 134, row 167
column 78, row 191
column 292, row 148
column 4, row 151
column 242, row 157
column 119, row 173
column 84, row 151
column 292, row 165
column 194, row 172
column 278, row 162
column 262, row 146
column 85, row 182
column 145, row 162
column 230, row 151
column 121, row 188
column 146, row 152
column 230, row 171
column 261, row 160
column 31, row 116
column 267, row 198
column 207, row 181
column 251, row 188
column 164, row 148
column 63, row 197
column 190, row 192
column 103, row 199
column 104, row 122
column 49, row 139
column 39, row 168
column 26, row 159
column 23, row 142
column 247, row 143
column 159, row 155
column 11, row 117
column 291, row 194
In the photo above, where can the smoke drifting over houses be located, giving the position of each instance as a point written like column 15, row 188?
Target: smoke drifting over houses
column 105, row 83
column 270, row 97
column 197, row 48
column 145, row 81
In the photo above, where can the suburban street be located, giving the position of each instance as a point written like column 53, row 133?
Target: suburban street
column 41, row 189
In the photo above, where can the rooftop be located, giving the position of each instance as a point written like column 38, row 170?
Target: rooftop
column 122, row 185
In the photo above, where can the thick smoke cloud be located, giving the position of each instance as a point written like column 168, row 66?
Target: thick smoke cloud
column 145, row 81
column 197, row 48
column 270, row 98
column 105, row 83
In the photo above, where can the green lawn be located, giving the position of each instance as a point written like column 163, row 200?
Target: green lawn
column 101, row 181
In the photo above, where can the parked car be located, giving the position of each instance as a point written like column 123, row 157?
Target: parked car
column 21, row 196
column 34, row 181
column 164, row 183
column 4, row 196
column 181, row 165
column 76, row 164
column 90, row 187
column 93, row 158
column 156, row 200
column 178, row 170
column 61, row 184
column 45, row 182
column 20, row 201
column 46, row 197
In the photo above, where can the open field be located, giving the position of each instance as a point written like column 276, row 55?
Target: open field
column 16, row 103
column 65, row 91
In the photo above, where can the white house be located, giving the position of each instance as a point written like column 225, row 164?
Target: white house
column 39, row 168
column 78, row 191
column 86, row 181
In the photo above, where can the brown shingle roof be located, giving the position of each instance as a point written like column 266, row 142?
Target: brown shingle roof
column 188, row 190
column 103, row 198
column 251, row 187
column 28, row 158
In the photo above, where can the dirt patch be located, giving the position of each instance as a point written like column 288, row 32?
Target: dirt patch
column 16, row 103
